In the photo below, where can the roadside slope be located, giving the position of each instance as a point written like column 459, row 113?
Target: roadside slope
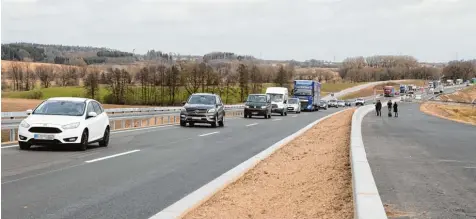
column 308, row 178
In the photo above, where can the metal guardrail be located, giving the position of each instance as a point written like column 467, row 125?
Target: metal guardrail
column 13, row 115
column 124, row 122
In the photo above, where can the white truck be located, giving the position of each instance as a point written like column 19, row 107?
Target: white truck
column 459, row 81
column 279, row 99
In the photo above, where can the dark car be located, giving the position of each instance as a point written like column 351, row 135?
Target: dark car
column 203, row 108
column 323, row 104
column 258, row 105
column 348, row 103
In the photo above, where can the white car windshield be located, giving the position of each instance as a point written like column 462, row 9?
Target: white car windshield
column 60, row 108
column 276, row 97
column 293, row 101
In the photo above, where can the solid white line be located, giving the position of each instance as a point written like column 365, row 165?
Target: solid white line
column 276, row 119
column 469, row 167
column 251, row 124
column 211, row 133
column 294, row 116
column 111, row 156
column 11, row 146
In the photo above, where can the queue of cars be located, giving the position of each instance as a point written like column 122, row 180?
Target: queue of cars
column 81, row 121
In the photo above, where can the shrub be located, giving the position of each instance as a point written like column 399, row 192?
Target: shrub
column 34, row 94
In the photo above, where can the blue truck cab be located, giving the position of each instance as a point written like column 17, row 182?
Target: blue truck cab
column 403, row 89
column 308, row 92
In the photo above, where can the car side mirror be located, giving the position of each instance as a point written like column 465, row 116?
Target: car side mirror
column 183, row 102
column 28, row 112
column 92, row 114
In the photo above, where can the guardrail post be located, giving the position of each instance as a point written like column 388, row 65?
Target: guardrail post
column 168, row 119
column 113, row 125
column 161, row 120
column 123, row 124
column 155, row 121
column 140, row 124
column 12, row 134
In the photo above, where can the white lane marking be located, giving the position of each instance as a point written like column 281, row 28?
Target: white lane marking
column 111, row 156
column 456, row 161
column 469, row 167
column 294, row 116
column 251, row 124
column 11, row 146
column 211, row 133
column 276, row 119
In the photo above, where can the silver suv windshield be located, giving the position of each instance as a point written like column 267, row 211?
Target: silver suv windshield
column 202, row 99
column 60, row 108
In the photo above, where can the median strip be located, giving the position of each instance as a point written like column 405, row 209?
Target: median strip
column 111, row 156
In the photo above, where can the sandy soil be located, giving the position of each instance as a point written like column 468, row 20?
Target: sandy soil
column 308, row 178
column 458, row 113
column 465, row 95
column 15, row 105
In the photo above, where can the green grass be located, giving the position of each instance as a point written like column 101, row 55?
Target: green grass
column 52, row 92
column 332, row 88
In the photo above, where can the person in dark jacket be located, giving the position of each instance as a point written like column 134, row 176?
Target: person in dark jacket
column 389, row 105
column 395, row 109
column 378, row 108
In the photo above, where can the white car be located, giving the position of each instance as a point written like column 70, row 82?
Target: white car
column 294, row 105
column 68, row 121
column 341, row 103
column 359, row 101
column 418, row 97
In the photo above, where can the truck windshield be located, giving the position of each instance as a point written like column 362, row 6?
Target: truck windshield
column 303, row 91
column 256, row 98
column 276, row 97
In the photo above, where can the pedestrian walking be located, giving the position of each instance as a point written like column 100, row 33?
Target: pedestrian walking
column 395, row 109
column 389, row 105
column 378, row 108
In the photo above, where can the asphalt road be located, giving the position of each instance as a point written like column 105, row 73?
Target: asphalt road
column 162, row 166
column 424, row 166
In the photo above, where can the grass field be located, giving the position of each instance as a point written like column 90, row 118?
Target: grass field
column 78, row 91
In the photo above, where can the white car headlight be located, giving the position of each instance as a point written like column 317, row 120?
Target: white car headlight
column 263, row 107
column 24, row 124
column 211, row 110
column 183, row 110
column 71, row 126
column 246, row 106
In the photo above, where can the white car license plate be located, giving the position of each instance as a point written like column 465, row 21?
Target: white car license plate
column 44, row 137
column 196, row 118
column 255, row 113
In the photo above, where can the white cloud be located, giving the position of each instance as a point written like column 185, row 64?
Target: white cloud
column 279, row 29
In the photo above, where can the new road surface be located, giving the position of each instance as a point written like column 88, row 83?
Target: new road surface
column 424, row 166
column 139, row 174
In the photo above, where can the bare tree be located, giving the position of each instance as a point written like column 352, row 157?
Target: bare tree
column 91, row 83
column 45, row 74
column 243, row 79
column 118, row 81
column 17, row 75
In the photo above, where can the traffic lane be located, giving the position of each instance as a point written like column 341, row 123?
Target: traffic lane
column 17, row 164
column 139, row 185
column 422, row 164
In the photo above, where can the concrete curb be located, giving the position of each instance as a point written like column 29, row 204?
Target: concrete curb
column 201, row 195
column 367, row 202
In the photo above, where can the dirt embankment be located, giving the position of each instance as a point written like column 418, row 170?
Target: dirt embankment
column 465, row 95
column 458, row 113
column 308, row 178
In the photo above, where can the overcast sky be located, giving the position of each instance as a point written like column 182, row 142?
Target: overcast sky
column 430, row 30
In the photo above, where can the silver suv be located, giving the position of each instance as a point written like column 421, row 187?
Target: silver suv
column 203, row 108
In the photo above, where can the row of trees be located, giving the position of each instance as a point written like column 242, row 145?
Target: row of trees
column 460, row 69
column 379, row 68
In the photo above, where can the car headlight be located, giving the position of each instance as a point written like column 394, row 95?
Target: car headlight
column 263, row 107
column 211, row 110
column 71, row 126
column 183, row 110
column 24, row 124
column 247, row 106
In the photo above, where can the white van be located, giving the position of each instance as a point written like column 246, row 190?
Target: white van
column 279, row 99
